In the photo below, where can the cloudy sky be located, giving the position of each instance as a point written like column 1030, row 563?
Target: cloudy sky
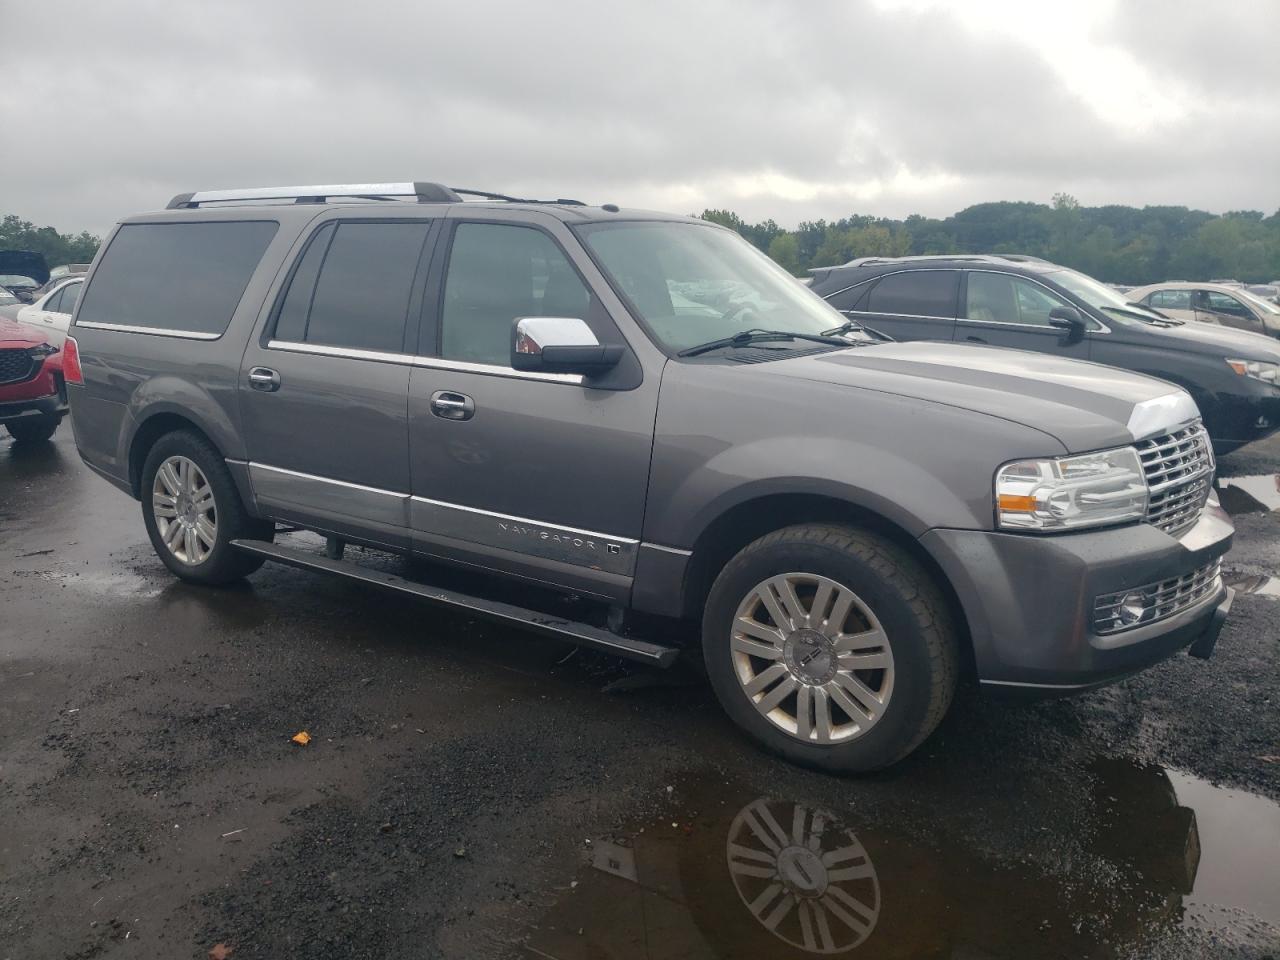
column 774, row 109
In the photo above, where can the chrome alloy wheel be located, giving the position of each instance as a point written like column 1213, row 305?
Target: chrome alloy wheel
column 805, row 878
column 185, row 515
column 812, row 658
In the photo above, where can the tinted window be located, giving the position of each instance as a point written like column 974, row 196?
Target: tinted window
column 1172, row 299
column 498, row 273
column 291, row 322
column 361, row 297
column 53, row 304
column 176, row 276
column 1003, row 298
column 921, row 293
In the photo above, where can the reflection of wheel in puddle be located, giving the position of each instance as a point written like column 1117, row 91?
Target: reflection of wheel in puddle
column 804, row 877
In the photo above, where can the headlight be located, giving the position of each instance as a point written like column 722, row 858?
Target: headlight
column 1257, row 369
column 1071, row 492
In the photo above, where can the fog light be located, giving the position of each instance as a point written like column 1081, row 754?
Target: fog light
column 1131, row 609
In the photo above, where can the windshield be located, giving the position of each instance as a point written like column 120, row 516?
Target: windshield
column 1258, row 303
column 1101, row 297
column 692, row 284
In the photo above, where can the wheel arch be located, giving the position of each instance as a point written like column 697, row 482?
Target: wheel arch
column 750, row 519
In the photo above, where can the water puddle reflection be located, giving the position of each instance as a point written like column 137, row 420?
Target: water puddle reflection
column 726, row 874
column 1256, row 494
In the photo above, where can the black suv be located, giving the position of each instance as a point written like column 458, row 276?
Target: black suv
column 1031, row 304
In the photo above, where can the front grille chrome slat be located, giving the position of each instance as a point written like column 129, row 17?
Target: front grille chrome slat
column 1159, row 600
column 1179, row 471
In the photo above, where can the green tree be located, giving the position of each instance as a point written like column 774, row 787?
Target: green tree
column 785, row 251
column 56, row 248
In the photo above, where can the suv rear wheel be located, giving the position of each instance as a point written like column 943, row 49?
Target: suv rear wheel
column 831, row 646
column 193, row 511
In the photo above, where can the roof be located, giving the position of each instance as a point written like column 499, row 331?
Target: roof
column 1008, row 260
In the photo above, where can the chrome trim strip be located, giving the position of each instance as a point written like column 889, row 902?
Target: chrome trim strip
column 430, row 363
column 336, row 483
column 514, row 519
column 1040, row 686
column 150, row 331
column 911, row 316
column 532, row 538
column 658, row 546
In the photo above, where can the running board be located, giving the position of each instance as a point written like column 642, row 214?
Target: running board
column 583, row 634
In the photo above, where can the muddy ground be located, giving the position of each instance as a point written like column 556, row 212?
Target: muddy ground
column 472, row 791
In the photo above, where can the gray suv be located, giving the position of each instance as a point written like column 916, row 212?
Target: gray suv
column 644, row 411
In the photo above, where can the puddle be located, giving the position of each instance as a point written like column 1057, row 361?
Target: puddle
column 1256, row 494
column 726, row 874
column 1259, row 583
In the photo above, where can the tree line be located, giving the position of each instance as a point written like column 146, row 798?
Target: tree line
column 57, row 248
column 1115, row 243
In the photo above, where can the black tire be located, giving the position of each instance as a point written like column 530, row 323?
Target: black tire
column 224, row 564
column 904, row 598
column 33, row 429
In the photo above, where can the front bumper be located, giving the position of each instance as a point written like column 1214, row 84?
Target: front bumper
column 1251, row 415
column 1029, row 599
column 54, row 405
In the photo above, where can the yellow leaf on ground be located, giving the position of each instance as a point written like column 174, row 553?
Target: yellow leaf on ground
column 301, row 737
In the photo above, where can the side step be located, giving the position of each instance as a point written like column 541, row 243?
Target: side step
column 583, row 634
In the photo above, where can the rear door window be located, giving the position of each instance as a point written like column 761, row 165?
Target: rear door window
column 186, row 277
column 352, row 286
column 916, row 293
column 70, row 294
column 54, row 303
column 1171, row 299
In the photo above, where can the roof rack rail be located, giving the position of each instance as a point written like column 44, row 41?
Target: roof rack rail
column 425, row 192
column 486, row 195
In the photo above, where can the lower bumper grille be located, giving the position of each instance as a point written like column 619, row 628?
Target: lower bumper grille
column 1116, row 612
column 16, row 365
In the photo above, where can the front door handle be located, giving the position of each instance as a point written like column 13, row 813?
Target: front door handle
column 975, row 339
column 264, row 379
column 452, row 406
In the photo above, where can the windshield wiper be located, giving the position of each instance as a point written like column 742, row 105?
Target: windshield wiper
column 1146, row 315
column 747, row 337
column 853, row 326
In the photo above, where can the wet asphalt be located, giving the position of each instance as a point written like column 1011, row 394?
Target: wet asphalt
column 473, row 791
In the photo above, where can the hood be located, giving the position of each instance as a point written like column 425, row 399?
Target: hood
column 25, row 263
column 1085, row 406
column 1210, row 338
column 15, row 334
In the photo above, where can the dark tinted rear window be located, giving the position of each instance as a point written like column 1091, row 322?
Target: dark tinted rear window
column 920, row 293
column 176, row 276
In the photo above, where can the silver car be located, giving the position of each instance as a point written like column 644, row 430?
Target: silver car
column 646, row 412
column 1212, row 303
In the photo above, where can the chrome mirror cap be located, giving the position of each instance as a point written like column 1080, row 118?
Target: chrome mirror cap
column 534, row 334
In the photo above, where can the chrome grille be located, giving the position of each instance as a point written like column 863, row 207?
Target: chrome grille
column 15, row 365
column 1156, row 601
column 1179, row 469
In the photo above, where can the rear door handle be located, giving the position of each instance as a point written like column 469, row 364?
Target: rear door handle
column 976, row 339
column 452, row 406
column 264, row 379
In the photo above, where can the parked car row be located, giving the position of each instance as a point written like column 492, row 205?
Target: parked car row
column 1030, row 304
column 646, row 412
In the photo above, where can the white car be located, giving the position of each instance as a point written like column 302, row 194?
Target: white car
column 52, row 312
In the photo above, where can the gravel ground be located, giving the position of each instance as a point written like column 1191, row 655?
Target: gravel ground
column 472, row 791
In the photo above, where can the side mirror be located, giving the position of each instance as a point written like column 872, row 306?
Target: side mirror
column 560, row 345
column 1068, row 319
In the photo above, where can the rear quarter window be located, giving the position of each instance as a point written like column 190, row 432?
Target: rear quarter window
column 187, row 277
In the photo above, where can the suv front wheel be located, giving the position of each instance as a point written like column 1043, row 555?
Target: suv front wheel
column 193, row 511
column 831, row 646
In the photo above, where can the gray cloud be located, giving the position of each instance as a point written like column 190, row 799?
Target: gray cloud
column 765, row 107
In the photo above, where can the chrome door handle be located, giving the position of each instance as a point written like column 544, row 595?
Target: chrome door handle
column 264, row 379
column 975, row 339
column 452, row 406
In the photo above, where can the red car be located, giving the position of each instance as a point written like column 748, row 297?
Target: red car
column 33, row 393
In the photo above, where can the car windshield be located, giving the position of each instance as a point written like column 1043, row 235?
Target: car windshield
column 692, row 284
column 1266, row 306
column 1101, row 297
